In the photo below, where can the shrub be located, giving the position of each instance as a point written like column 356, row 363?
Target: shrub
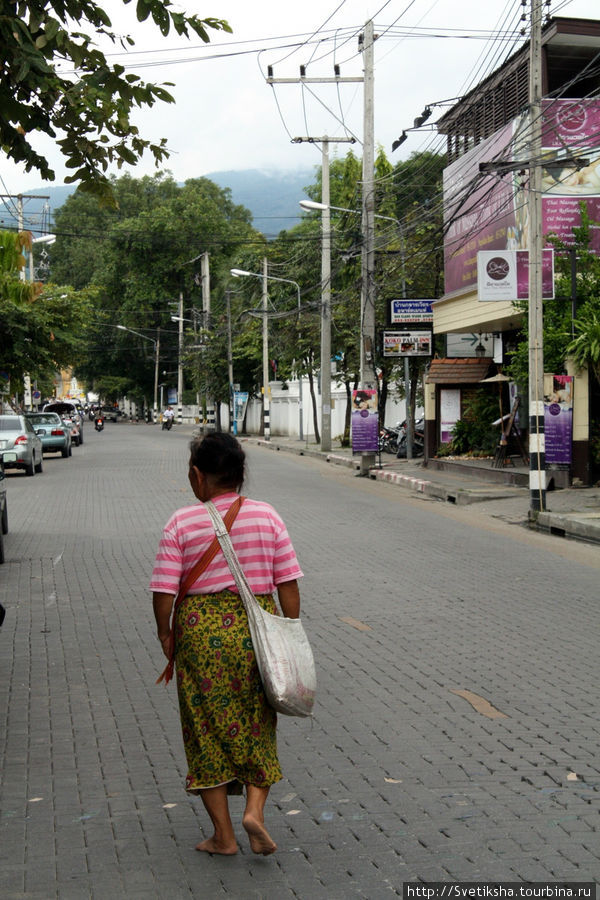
column 474, row 432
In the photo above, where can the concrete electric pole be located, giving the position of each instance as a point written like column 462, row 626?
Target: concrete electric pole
column 367, row 312
column 537, row 456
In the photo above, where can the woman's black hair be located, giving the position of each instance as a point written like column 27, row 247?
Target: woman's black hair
column 219, row 455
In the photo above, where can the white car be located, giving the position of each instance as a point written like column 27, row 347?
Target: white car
column 69, row 411
column 20, row 446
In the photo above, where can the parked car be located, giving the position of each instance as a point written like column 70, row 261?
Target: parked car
column 20, row 446
column 68, row 409
column 53, row 432
column 3, row 512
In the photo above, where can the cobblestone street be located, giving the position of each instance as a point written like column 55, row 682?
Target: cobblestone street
column 456, row 733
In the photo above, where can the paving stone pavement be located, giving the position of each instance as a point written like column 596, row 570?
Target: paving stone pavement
column 419, row 614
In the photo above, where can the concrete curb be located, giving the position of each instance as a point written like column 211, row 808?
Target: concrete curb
column 578, row 526
column 460, row 496
column 575, row 525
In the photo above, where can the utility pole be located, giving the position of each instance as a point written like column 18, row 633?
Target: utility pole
column 325, row 303
column 409, row 416
column 325, row 251
column 205, row 274
column 232, row 421
column 156, row 365
column 180, row 363
column 265, row 336
column 367, row 312
column 537, row 455
column 21, row 221
column 325, row 284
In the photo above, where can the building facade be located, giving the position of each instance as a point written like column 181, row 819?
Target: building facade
column 486, row 214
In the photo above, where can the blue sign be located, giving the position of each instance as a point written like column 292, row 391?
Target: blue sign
column 411, row 312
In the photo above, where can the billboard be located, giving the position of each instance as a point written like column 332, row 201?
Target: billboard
column 489, row 212
column 407, row 343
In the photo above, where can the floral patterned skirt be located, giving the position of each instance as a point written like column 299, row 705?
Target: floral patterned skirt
column 229, row 729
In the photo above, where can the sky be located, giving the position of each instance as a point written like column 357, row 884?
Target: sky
column 226, row 117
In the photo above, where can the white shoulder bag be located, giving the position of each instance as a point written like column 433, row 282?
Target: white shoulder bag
column 283, row 654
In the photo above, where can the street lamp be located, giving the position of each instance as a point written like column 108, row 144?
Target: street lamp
column 325, row 208
column 241, row 273
column 156, row 358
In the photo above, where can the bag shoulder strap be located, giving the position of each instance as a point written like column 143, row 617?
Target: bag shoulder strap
column 222, row 536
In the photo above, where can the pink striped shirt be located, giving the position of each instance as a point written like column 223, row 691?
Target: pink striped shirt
column 258, row 535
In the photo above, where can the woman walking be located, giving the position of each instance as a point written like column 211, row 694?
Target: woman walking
column 229, row 730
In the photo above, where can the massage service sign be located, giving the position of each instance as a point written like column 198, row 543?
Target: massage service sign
column 365, row 421
column 558, row 418
column 504, row 274
column 489, row 212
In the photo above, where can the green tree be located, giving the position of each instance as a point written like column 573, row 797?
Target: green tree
column 41, row 326
column 88, row 114
column 141, row 257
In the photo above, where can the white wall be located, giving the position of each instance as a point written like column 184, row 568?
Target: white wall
column 284, row 411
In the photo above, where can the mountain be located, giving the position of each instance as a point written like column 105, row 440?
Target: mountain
column 271, row 197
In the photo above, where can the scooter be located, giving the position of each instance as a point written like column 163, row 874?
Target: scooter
column 418, row 442
column 167, row 424
column 389, row 438
column 99, row 424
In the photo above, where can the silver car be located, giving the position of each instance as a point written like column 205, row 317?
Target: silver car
column 20, row 446
column 54, row 434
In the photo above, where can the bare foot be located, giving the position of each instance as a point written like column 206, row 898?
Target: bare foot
column 260, row 839
column 212, row 845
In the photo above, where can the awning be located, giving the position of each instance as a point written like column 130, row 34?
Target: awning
column 470, row 370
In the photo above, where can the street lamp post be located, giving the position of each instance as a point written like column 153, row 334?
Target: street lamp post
column 156, row 360
column 241, row 273
column 325, row 208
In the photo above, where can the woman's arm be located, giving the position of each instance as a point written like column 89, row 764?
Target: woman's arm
column 163, row 604
column 289, row 599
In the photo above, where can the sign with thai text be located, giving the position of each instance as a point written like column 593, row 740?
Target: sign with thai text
column 504, row 274
column 411, row 312
column 558, row 418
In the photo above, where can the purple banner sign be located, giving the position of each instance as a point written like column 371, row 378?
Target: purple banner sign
column 523, row 274
column 558, row 421
column 479, row 210
column 570, row 122
column 365, row 421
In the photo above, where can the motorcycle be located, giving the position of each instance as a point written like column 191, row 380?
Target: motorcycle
column 389, row 438
column 99, row 424
column 418, row 442
column 167, row 424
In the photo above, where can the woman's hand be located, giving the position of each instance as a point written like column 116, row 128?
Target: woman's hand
column 165, row 642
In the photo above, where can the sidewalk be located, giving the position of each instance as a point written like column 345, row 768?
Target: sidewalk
column 572, row 512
